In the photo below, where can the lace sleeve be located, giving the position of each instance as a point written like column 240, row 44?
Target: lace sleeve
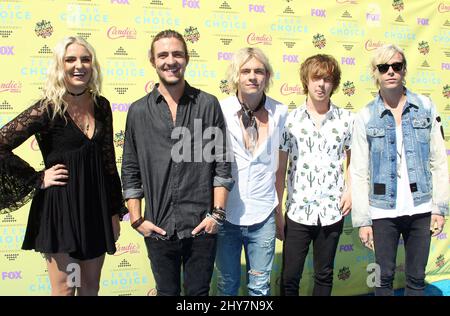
column 109, row 159
column 18, row 180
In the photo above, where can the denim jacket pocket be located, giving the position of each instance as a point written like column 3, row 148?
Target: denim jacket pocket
column 375, row 137
column 422, row 128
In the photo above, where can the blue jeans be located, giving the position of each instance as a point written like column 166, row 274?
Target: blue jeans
column 259, row 246
column 416, row 234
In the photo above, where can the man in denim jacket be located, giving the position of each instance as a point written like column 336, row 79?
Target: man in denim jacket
column 399, row 174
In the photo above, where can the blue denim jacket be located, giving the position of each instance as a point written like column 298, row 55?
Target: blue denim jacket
column 374, row 158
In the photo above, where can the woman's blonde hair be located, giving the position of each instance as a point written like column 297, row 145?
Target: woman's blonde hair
column 240, row 58
column 55, row 86
column 381, row 56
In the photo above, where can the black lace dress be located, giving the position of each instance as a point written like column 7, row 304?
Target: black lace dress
column 75, row 218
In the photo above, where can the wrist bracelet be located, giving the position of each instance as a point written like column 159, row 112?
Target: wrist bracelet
column 218, row 217
column 219, row 212
column 219, row 209
column 137, row 222
column 218, row 222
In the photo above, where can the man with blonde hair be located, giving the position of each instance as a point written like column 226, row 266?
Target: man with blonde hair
column 253, row 121
column 399, row 174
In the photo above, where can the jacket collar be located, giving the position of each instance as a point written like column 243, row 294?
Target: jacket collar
column 412, row 100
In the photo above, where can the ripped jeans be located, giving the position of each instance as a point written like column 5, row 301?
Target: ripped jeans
column 259, row 247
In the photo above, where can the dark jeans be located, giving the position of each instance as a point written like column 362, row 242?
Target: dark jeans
column 417, row 237
column 295, row 249
column 196, row 256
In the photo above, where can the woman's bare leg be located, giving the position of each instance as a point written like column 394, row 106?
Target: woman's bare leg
column 90, row 276
column 57, row 265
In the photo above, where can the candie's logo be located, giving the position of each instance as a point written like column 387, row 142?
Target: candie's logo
column 149, row 86
column 442, row 8
column 224, row 88
column 319, row 41
column 11, row 86
column 152, row 292
column 285, row 89
column 127, row 33
column 123, row 249
column 191, row 34
column 446, row 91
column 43, row 29
column 254, row 39
column 34, row 145
column 370, row 45
column 424, row 48
column 348, row 88
column 398, row 5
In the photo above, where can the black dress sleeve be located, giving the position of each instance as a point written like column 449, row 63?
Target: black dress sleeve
column 109, row 159
column 18, row 180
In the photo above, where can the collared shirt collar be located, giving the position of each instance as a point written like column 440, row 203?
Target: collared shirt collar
column 411, row 101
column 188, row 92
column 269, row 106
column 331, row 114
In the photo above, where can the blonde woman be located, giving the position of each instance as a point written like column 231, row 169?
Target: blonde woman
column 76, row 200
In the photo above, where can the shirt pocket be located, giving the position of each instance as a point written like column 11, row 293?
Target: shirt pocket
column 376, row 137
column 422, row 128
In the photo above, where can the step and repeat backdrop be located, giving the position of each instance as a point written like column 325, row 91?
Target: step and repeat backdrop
column 287, row 30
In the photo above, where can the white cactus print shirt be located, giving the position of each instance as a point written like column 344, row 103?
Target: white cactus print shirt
column 315, row 173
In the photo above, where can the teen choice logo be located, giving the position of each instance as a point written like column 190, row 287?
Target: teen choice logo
column 191, row 34
column 224, row 88
column 440, row 261
column 424, row 48
column 446, row 91
column 398, row 5
column 43, row 29
column 349, row 88
column 119, row 139
column 344, row 273
column 319, row 41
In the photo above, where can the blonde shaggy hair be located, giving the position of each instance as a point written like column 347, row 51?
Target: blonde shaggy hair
column 55, row 87
column 240, row 58
column 381, row 56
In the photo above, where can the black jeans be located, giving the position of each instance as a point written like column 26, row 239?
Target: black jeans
column 196, row 255
column 295, row 249
column 417, row 237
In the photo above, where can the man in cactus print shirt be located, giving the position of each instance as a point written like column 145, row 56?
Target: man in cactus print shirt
column 314, row 144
